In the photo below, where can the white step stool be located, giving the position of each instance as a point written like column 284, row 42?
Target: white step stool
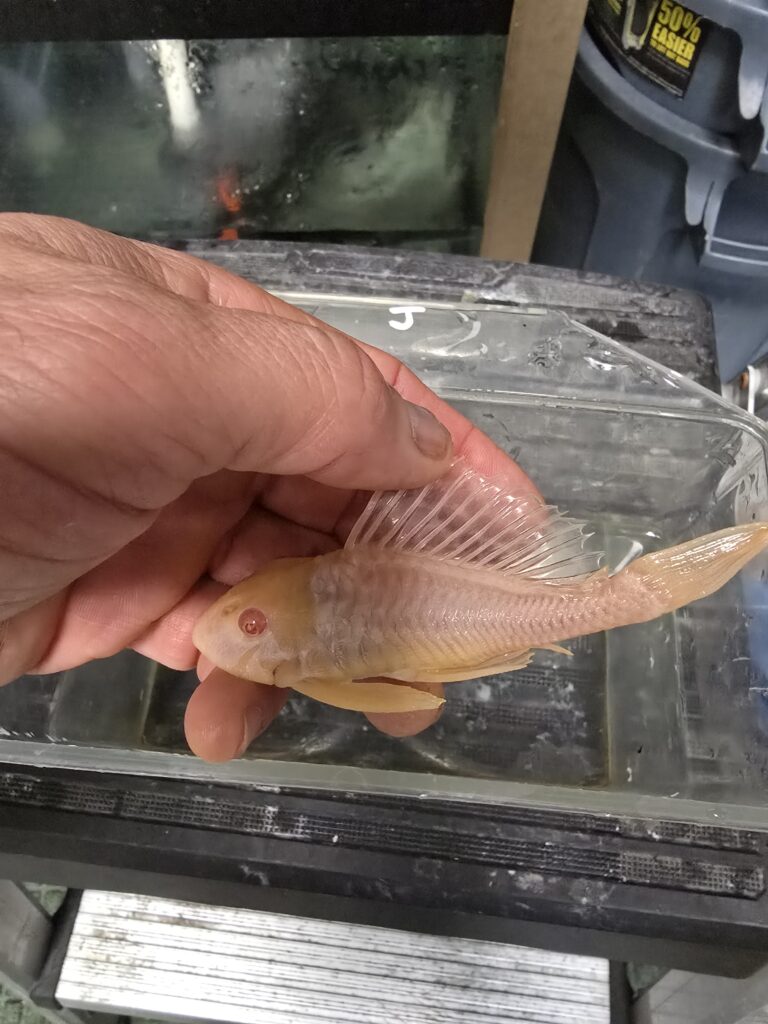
column 142, row 956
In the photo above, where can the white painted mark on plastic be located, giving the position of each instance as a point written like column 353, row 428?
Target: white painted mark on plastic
column 474, row 330
column 406, row 312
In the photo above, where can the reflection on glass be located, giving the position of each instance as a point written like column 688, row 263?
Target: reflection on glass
column 382, row 139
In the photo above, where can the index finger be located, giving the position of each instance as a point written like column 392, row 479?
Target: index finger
column 484, row 456
column 478, row 449
column 334, row 511
column 198, row 279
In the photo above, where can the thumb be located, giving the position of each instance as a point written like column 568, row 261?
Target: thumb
column 306, row 399
column 132, row 392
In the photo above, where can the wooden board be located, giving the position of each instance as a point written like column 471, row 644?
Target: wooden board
column 541, row 50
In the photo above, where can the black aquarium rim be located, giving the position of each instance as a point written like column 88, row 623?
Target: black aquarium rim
column 608, row 885
column 113, row 20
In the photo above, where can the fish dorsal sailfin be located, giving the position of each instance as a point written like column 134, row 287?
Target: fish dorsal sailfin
column 468, row 519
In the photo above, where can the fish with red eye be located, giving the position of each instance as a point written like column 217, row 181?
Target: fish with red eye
column 456, row 581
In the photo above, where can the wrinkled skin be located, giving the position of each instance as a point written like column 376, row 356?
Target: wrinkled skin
column 165, row 429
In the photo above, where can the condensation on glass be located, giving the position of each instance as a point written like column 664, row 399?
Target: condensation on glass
column 666, row 717
column 381, row 139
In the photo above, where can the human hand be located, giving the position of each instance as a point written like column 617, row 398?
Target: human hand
column 167, row 428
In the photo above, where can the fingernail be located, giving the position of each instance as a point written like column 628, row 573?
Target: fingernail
column 253, row 724
column 428, row 433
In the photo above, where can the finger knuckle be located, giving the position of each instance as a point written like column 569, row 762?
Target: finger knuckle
column 357, row 390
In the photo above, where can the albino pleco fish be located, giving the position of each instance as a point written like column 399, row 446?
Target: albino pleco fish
column 455, row 581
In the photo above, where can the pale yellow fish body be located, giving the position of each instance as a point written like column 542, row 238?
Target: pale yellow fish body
column 453, row 582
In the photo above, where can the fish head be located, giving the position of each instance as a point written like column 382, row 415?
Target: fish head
column 261, row 623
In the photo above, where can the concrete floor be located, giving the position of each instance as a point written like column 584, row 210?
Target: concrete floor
column 12, row 1009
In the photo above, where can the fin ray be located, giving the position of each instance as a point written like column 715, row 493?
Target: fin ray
column 467, row 519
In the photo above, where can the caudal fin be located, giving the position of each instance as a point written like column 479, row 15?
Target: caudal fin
column 696, row 569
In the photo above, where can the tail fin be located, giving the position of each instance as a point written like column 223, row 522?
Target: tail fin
column 696, row 569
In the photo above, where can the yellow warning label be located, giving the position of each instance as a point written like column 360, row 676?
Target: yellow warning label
column 676, row 33
column 660, row 39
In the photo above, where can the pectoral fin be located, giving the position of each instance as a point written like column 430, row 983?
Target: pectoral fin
column 370, row 695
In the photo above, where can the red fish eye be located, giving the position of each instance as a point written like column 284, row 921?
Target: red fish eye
column 252, row 621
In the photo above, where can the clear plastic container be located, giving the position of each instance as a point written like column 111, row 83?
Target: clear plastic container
column 668, row 718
